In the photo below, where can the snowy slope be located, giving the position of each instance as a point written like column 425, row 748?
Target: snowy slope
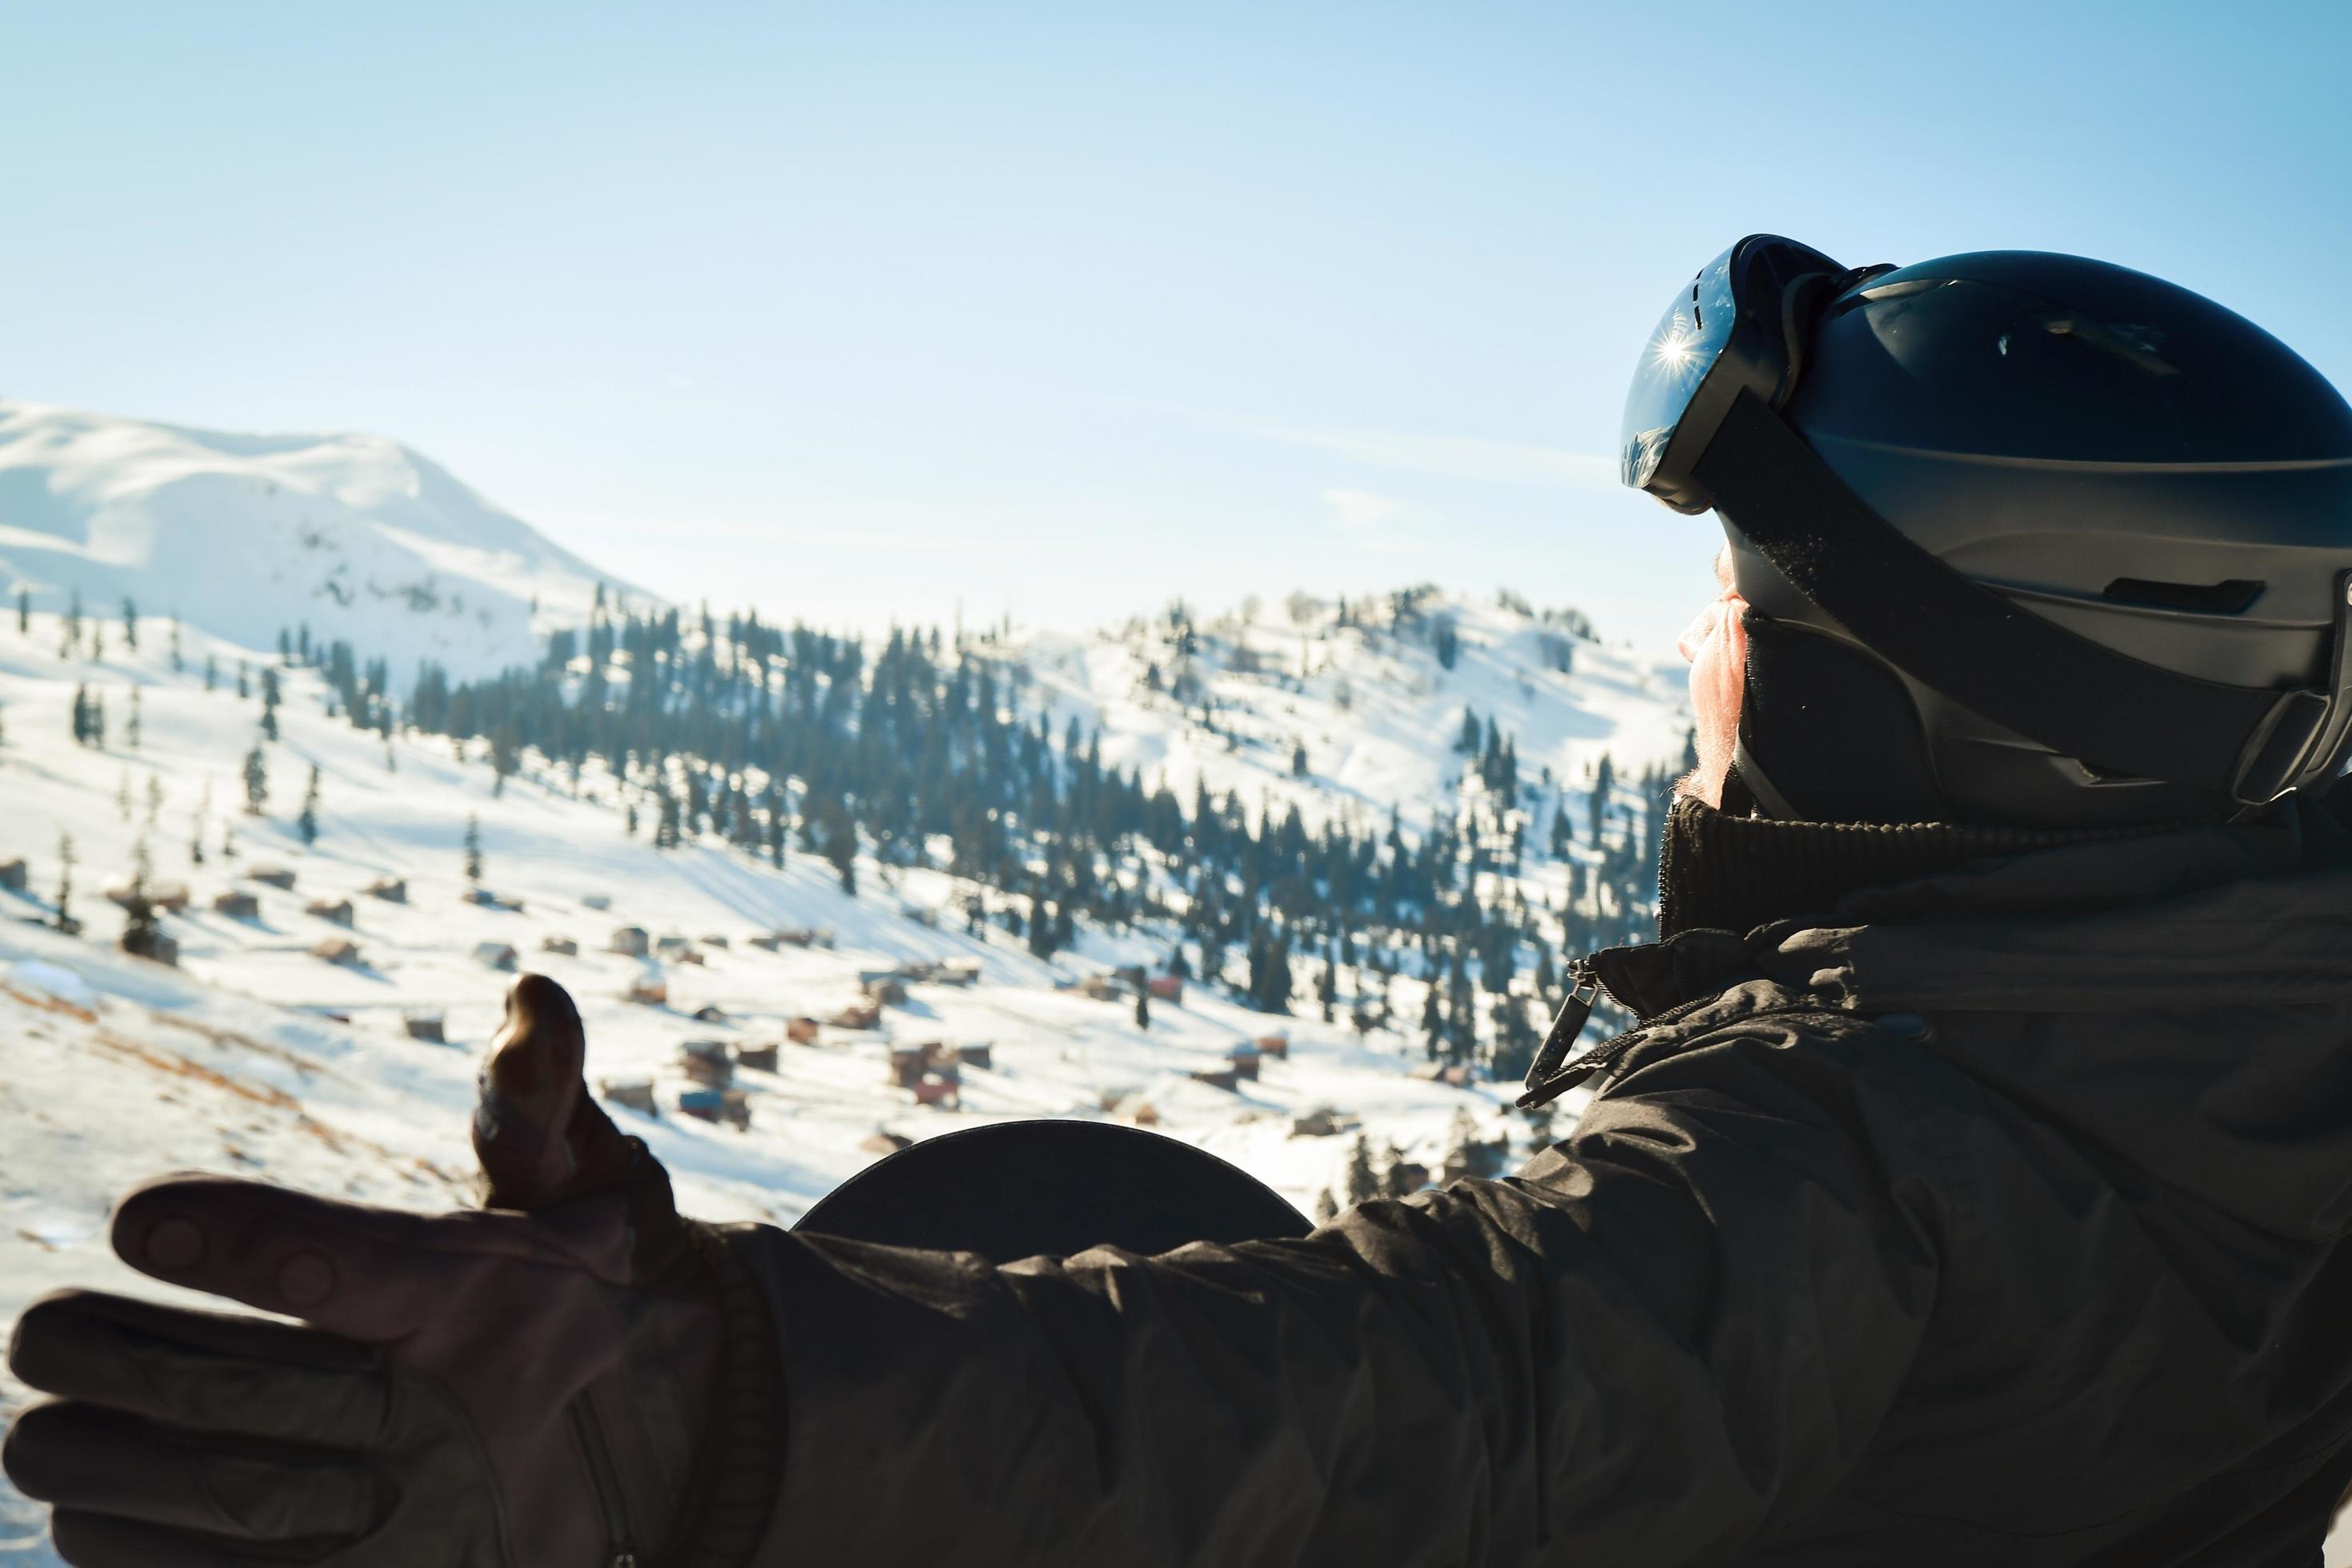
column 255, row 1056
column 1375, row 707
column 241, row 535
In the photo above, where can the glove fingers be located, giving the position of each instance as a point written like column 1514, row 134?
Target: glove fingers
column 539, row 1137
column 206, row 1372
column 89, row 1460
column 102, row 1540
column 369, row 1273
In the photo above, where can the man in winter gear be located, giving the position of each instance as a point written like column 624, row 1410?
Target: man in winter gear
column 1974, row 1186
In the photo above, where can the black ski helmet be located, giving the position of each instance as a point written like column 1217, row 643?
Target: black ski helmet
column 2108, row 453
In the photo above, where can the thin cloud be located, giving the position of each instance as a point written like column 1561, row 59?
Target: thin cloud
column 1361, row 509
column 1475, row 457
column 1454, row 456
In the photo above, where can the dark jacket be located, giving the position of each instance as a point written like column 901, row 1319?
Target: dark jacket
column 1997, row 1217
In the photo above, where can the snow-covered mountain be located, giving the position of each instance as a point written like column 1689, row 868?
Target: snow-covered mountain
column 258, row 1054
column 1369, row 695
column 242, row 536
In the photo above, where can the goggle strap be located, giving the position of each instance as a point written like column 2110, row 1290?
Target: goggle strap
column 1991, row 655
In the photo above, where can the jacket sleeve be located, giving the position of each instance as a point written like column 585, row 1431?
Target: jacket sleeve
column 1662, row 1336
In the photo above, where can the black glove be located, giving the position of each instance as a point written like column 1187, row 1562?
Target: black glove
column 590, row 1383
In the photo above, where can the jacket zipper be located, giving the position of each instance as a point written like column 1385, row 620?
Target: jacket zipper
column 1551, row 1074
column 608, row 1484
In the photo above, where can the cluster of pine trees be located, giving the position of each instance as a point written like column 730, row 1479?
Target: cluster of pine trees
column 777, row 740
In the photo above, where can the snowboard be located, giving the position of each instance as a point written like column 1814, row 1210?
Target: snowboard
column 1019, row 1189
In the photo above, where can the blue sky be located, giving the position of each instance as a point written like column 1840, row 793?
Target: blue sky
column 863, row 311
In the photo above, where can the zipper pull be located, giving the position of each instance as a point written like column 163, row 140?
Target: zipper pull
column 1567, row 1028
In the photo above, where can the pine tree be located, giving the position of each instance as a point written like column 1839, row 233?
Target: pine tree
column 141, row 932
column 1467, row 743
column 1299, row 759
column 177, row 665
column 122, row 795
column 132, row 731
column 1363, row 1184
column 244, row 681
column 65, row 883
column 211, row 672
column 1396, row 1182
column 131, row 624
column 306, row 824
column 97, row 719
column 270, row 703
column 24, row 612
column 256, row 782
column 472, row 850
column 1326, row 1209
column 1143, row 1007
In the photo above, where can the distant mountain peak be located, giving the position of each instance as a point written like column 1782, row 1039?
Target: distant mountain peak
column 357, row 536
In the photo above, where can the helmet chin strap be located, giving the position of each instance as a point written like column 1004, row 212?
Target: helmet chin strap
column 1747, row 774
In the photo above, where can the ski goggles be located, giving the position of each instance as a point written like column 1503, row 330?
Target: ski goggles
column 1740, row 326
column 1703, row 430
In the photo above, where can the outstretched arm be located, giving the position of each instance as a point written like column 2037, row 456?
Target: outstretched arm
column 1666, row 1334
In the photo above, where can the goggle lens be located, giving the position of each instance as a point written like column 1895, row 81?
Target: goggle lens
column 1690, row 337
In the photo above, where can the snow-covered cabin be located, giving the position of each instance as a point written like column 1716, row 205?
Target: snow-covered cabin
column 497, row 954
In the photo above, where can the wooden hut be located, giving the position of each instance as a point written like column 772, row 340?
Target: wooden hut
column 425, row 1027
column 757, row 1059
column 936, row 1090
column 13, row 875
column 766, row 941
column 650, row 989
column 729, row 1105
column 982, row 1056
column 391, row 890
column 277, row 876
column 171, row 898
column 1137, row 1112
column 595, row 900
column 856, row 1015
column 707, row 1062
column 559, row 944
column 1275, row 1045
column 1245, row 1059
column 711, row 1013
column 237, row 905
column 719, row 943
column 887, row 991
column 673, row 947
column 1167, row 988
column 497, row 954
column 906, row 1066
column 885, row 1143
column 637, row 1093
column 802, row 1031
column 335, row 911
column 1216, row 1077
column 338, row 950
column 630, row 941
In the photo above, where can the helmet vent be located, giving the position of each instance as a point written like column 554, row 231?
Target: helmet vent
column 2230, row 597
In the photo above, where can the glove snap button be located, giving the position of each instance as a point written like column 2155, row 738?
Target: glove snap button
column 305, row 1280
